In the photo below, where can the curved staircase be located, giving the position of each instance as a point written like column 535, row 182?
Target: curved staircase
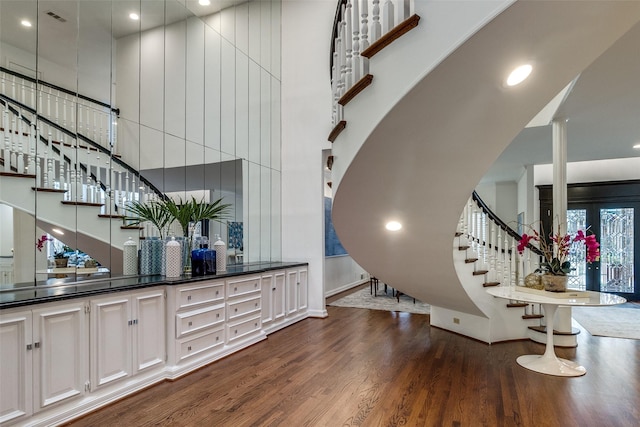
column 415, row 142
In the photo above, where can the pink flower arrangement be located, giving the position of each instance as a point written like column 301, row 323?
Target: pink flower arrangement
column 41, row 241
column 556, row 250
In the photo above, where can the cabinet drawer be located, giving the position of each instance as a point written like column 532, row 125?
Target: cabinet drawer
column 243, row 287
column 243, row 328
column 240, row 308
column 200, row 343
column 196, row 320
column 194, row 295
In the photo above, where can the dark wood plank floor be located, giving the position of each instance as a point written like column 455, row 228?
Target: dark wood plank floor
column 376, row 368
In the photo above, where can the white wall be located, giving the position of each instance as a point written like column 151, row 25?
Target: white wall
column 342, row 273
column 306, row 108
column 592, row 171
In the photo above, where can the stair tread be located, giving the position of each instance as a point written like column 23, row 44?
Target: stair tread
column 111, row 216
column 543, row 329
column 131, row 227
column 395, row 33
column 358, row 87
column 517, row 304
column 480, row 272
column 49, row 190
column 67, row 202
column 470, row 260
column 489, row 284
column 463, row 247
column 458, row 234
column 533, row 316
column 337, row 129
column 17, row 175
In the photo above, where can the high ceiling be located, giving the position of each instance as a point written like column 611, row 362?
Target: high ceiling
column 603, row 113
column 602, row 109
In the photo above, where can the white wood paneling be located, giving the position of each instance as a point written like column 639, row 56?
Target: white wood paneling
column 265, row 118
column 16, row 366
column 254, row 112
column 228, row 98
column 276, row 219
column 254, row 30
column 149, row 330
column 195, row 81
column 275, row 125
column 242, row 27
column 265, row 213
column 152, row 58
column 276, row 48
column 242, row 106
column 110, row 340
column 253, row 232
column 175, row 66
column 212, row 100
column 228, row 24
column 265, row 35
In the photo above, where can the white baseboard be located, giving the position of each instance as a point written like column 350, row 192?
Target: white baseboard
column 345, row 288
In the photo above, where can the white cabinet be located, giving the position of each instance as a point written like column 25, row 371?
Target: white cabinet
column 273, row 297
column 296, row 291
column 244, row 308
column 198, row 320
column 44, row 358
column 16, row 367
column 127, row 335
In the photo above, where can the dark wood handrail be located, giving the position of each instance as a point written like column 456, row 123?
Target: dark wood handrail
column 61, row 89
column 510, row 231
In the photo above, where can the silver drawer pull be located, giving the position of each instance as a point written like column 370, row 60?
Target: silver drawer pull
column 256, row 304
column 236, row 310
column 217, row 315
column 189, row 348
column 190, row 323
column 188, row 297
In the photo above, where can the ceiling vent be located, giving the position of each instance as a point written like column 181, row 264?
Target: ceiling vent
column 56, row 16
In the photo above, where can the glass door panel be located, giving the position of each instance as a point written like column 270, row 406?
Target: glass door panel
column 617, row 250
column 577, row 220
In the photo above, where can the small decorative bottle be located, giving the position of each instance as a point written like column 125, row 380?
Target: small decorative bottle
column 174, row 258
column 130, row 258
column 221, row 254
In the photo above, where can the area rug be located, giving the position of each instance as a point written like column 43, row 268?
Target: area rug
column 363, row 299
column 618, row 321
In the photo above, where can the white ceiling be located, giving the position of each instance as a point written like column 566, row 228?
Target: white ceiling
column 603, row 113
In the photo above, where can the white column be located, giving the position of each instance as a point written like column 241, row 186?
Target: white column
column 559, row 129
column 559, row 135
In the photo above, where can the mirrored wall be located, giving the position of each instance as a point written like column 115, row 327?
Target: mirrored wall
column 109, row 101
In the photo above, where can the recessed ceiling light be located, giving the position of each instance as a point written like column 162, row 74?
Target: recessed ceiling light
column 518, row 75
column 134, row 16
column 25, row 23
column 637, row 146
column 393, row 226
column 57, row 231
column 204, row 2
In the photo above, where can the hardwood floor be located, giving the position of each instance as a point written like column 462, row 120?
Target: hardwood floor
column 376, row 368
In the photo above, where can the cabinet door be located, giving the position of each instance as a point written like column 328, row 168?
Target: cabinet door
column 16, row 366
column 60, row 356
column 278, row 296
column 110, row 340
column 292, row 292
column 148, row 330
column 268, row 289
column 302, row 290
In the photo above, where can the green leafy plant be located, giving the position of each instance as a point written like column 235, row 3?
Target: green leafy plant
column 155, row 212
column 190, row 212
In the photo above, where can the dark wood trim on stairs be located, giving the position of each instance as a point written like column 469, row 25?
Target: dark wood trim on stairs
column 543, row 329
column 517, row 304
column 131, row 227
column 393, row 35
column 337, row 129
column 358, row 87
column 67, row 202
column 110, row 216
column 490, row 284
column 48, row 190
column 17, row 175
column 470, row 260
column 533, row 316
column 480, row 272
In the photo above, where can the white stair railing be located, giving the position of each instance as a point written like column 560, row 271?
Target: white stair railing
column 353, row 33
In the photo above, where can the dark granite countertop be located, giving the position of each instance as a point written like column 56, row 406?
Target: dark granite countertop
column 22, row 294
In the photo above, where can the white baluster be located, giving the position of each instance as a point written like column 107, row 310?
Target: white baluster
column 499, row 258
column 492, row 253
column 7, row 141
column 388, row 16
column 376, row 28
column 20, row 154
column 348, row 39
column 514, row 258
column 64, row 112
column 33, row 140
column 357, row 62
column 364, row 36
column 62, row 182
